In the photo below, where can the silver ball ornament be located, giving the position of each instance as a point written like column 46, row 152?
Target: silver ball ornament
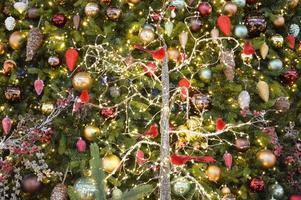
column 277, row 191
column 181, row 186
column 241, row 31
column 85, row 188
column 205, row 74
column 275, row 65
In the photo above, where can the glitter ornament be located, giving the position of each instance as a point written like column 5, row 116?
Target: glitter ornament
column 294, row 29
column 91, row 9
column 81, row 145
column 20, row 6
column 205, row 9
column 10, row 23
column 256, row 25
column 85, row 188
column 264, row 50
column 113, row 13
column 12, row 93
column 276, row 191
column 244, row 99
column 147, row 34
column 277, row 40
column 71, row 57
column 228, row 160
column 230, row 9
column 289, row 77
column 59, row 20
column 6, row 125
column 47, row 107
column 39, row 86
column 257, row 184
column 53, row 61
column 200, row 101
column 59, row 192
column 34, row 42
column 181, row 186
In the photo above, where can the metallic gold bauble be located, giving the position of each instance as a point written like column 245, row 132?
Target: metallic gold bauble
column 147, row 34
column 47, row 107
column 266, row 158
column 132, row 2
column 8, row 66
column 85, row 188
column 2, row 48
column 230, row 9
column 293, row 3
column 181, row 186
column 91, row 133
column 277, row 40
column 242, row 144
column 225, row 190
column 15, row 40
column 82, row 81
column 279, row 21
column 91, row 9
column 12, row 93
column 214, row 173
column 200, row 101
column 173, row 54
column 110, row 163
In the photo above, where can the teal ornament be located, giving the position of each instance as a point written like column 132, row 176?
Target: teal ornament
column 85, row 188
column 241, row 31
column 178, row 3
column 181, row 186
column 205, row 74
column 275, row 65
column 240, row 3
column 276, row 191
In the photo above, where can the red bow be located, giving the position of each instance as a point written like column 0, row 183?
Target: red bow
column 182, row 160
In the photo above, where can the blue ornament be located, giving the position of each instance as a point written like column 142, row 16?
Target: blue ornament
column 205, row 74
column 155, row 92
column 240, row 3
column 21, row 74
column 275, row 65
column 241, row 31
column 178, row 3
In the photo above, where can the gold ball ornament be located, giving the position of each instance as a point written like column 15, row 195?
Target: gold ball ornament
column 15, row 40
column 230, row 9
column 147, row 34
column 173, row 54
column 225, row 190
column 110, row 163
column 91, row 133
column 47, row 107
column 91, row 9
column 2, row 48
column 279, row 21
column 266, row 158
column 277, row 40
column 82, row 81
column 133, row 2
column 293, row 3
column 8, row 66
column 214, row 173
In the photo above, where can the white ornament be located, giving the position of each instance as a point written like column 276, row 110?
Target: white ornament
column 183, row 37
column 244, row 99
column 168, row 28
column 294, row 30
column 173, row 14
column 21, row 6
column 10, row 23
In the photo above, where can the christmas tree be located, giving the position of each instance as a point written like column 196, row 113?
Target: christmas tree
column 143, row 99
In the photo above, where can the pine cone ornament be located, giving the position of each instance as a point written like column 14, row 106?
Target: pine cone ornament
column 59, row 192
column 227, row 59
column 34, row 42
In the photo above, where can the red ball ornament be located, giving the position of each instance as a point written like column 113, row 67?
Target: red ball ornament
column 59, row 20
column 295, row 197
column 257, row 184
column 205, row 9
column 108, row 112
column 251, row 1
column 290, row 76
